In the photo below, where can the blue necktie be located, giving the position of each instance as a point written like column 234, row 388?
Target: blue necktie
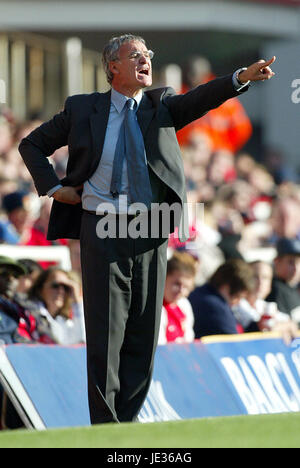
column 130, row 144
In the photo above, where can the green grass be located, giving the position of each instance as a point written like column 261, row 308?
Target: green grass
column 266, row 431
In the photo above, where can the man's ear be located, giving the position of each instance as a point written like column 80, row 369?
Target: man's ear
column 113, row 67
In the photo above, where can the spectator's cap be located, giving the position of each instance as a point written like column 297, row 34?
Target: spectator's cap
column 14, row 200
column 288, row 247
column 12, row 265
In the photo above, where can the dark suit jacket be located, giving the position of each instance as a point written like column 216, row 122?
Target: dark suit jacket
column 82, row 126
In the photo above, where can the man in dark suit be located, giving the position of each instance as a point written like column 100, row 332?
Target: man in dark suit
column 122, row 150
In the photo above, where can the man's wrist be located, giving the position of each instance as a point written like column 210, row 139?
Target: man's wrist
column 239, row 84
column 239, row 77
column 51, row 192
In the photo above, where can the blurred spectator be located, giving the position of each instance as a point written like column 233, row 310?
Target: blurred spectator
column 221, row 169
column 200, row 149
column 254, row 313
column 58, row 300
column 17, row 325
column 204, row 246
column 212, row 303
column 14, row 230
column 37, row 235
column 228, row 127
column 6, row 138
column 22, row 129
column 286, row 217
column 230, row 225
column 260, row 179
column 286, row 278
column 279, row 167
column 12, row 167
column 38, row 232
column 244, row 165
column 33, row 269
column 203, row 243
column 177, row 315
column 238, row 196
column 7, row 185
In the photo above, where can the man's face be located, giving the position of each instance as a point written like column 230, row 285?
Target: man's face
column 19, row 218
column 287, row 268
column 178, row 285
column 263, row 275
column 133, row 70
column 8, row 282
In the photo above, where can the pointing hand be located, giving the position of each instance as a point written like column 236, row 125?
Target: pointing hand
column 258, row 71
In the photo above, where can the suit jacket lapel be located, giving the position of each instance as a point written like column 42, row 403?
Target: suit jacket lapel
column 145, row 114
column 98, row 124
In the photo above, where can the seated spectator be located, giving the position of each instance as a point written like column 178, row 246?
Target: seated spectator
column 285, row 219
column 58, row 300
column 37, row 235
column 17, row 324
column 228, row 126
column 284, row 286
column 221, row 168
column 11, row 317
column 177, row 315
column 33, row 269
column 14, row 229
column 255, row 314
column 212, row 303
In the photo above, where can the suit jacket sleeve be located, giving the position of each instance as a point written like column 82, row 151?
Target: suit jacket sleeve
column 185, row 108
column 42, row 143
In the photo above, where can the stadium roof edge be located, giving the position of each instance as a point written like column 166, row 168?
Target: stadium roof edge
column 248, row 17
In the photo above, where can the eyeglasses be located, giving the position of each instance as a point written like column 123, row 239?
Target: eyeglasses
column 55, row 285
column 149, row 54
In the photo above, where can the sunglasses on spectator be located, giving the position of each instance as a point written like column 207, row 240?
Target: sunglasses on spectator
column 56, row 285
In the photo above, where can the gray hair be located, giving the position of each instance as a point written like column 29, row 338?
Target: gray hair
column 111, row 51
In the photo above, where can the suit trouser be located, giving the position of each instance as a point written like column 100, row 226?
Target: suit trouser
column 123, row 287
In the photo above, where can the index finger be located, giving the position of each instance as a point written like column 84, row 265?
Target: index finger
column 269, row 62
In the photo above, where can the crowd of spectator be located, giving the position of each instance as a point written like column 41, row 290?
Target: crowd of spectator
column 211, row 288
column 242, row 206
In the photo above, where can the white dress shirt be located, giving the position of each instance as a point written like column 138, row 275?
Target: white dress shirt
column 96, row 190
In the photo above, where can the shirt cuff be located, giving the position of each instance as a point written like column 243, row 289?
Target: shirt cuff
column 237, row 85
column 53, row 190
